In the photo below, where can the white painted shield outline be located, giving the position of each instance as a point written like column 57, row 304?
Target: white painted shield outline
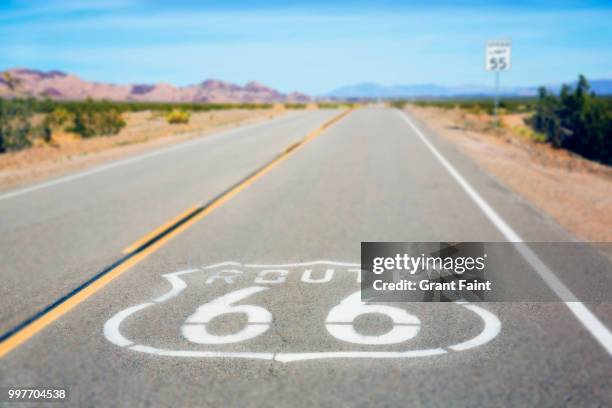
column 492, row 327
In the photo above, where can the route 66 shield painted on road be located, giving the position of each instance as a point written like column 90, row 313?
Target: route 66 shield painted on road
column 236, row 310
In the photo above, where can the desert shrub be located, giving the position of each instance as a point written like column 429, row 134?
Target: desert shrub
column 329, row 105
column 295, row 106
column 59, row 118
column 576, row 120
column 530, row 134
column 48, row 105
column 16, row 128
column 482, row 104
column 177, row 116
column 398, row 104
column 87, row 118
column 110, row 122
column 93, row 122
column 336, row 105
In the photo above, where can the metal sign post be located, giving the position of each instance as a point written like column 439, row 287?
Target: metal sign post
column 497, row 58
column 496, row 105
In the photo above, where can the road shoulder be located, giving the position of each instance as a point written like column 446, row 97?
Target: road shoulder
column 575, row 192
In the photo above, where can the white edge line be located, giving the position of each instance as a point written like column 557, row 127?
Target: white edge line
column 120, row 163
column 597, row 329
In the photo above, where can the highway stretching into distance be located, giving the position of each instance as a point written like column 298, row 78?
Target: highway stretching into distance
column 222, row 271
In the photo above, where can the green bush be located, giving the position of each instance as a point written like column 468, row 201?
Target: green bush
column 482, row 105
column 398, row 104
column 59, row 118
column 177, row 116
column 47, row 106
column 576, row 120
column 87, row 118
column 91, row 122
column 16, row 129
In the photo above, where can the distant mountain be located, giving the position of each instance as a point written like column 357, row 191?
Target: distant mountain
column 602, row 86
column 370, row 90
column 63, row 86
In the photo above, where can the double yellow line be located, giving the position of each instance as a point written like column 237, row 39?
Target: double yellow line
column 145, row 246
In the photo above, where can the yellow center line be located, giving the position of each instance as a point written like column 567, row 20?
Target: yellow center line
column 158, row 230
column 55, row 313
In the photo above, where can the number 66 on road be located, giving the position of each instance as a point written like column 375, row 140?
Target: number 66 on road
column 339, row 322
column 342, row 322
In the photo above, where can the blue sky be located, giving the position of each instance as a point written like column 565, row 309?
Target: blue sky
column 312, row 46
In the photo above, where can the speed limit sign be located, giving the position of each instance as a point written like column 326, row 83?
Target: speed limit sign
column 497, row 56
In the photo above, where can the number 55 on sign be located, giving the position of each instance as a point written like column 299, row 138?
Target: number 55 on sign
column 497, row 56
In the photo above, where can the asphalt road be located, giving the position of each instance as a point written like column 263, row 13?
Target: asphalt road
column 278, row 257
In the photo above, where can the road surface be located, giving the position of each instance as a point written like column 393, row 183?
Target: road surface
column 244, row 301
